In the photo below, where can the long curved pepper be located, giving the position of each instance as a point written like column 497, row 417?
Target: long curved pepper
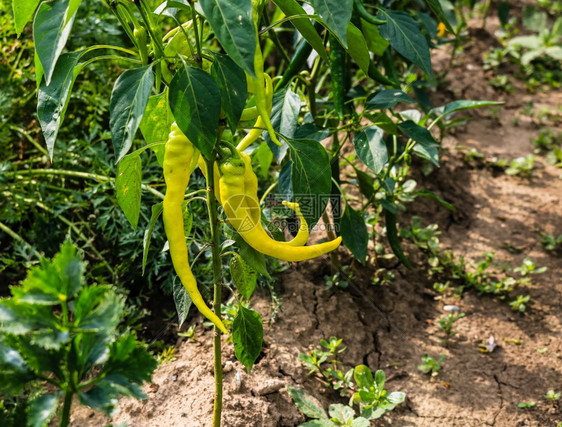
column 178, row 161
column 251, row 200
column 243, row 212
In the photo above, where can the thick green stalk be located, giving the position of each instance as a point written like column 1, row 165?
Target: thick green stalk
column 217, row 279
column 65, row 417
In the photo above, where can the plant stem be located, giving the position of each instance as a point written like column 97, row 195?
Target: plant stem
column 78, row 174
column 217, row 279
column 65, row 417
column 18, row 238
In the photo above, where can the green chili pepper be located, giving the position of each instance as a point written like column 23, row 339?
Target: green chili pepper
column 363, row 13
column 377, row 76
column 337, row 71
column 297, row 62
column 140, row 36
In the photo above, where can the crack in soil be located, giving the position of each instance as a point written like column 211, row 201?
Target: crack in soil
column 315, row 309
column 286, row 374
column 501, row 399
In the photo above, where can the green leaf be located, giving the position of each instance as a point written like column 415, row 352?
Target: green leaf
column 196, row 104
column 156, row 212
column 23, row 11
column 255, row 259
column 426, row 146
column 264, row 157
column 336, row 15
column 52, row 100
column 404, row 35
column 129, row 363
column 388, row 98
column 126, row 108
column 534, row 19
column 354, row 233
column 371, row 148
column 363, row 377
column 311, row 177
column 432, row 196
column 437, row 10
column 303, row 25
column 156, row 122
column 101, row 397
column 366, row 184
column 396, row 397
column 307, row 404
column 376, row 43
column 42, row 409
column 51, row 28
column 284, row 118
column 243, row 276
column 379, row 379
column 233, row 24
column 323, row 422
column 393, row 239
column 463, row 104
column 182, row 300
column 38, row 69
column 342, row 413
column 233, row 88
column 247, row 336
column 103, row 316
column 53, row 281
column 384, row 122
column 360, row 422
column 357, row 48
column 128, row 186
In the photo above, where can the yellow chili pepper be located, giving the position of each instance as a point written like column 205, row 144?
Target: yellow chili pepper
column 251, row 200
column 178, row 162
column 260, row 124
column 259, row 83
column 243, row 211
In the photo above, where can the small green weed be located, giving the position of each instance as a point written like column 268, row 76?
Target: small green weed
column 430, row 365
column 550, row 242
column 446, row 324
column 365, row 390
column 526, row 405
column 520, row 303
column 552, row 395
column 521, row 166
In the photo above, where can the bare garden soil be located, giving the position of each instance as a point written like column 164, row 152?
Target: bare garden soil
column 390, row 327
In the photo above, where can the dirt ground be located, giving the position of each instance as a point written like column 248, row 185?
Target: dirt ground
column 390, row 327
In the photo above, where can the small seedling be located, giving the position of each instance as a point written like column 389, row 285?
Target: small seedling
column 512, row 340
column 383, row 277
column 550, row 242
column 167, row 355
column 543, row 350
column 526, row 405
column 331, row 375
column 446, row 324
column 528, row 267
column 552, row 395
column 520, row 303
column 430, row 365
column 367, row 391
column 190, row 334
column 521, row 166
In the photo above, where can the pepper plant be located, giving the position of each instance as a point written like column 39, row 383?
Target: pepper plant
column 210, row 82
column 58, row 331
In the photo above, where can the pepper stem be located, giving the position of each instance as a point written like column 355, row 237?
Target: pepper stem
column 217, row 279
